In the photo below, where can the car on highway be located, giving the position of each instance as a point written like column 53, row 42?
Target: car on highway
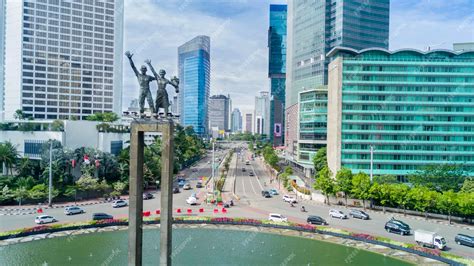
column 314, row 219
column 276, row 217
column 359, row 214
column 101, row 216
column 251, row 174
column 119, row 204
column 247, row 162
column 73, row 210
column 187, row 186
column 333, row 213
column 266, row 194
column 289, row 199
column 181, row 183
column 194, row 170
column 44, row 219
column 176, row 190
column 273, row 191
column 462, row 239
column 191, row 201
column 243, row 169
column 199, row 184
column 147, row 196
column 397, row 227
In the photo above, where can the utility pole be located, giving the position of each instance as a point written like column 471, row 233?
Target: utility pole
column 50, row 198
column 213, row 163
column 371, row 163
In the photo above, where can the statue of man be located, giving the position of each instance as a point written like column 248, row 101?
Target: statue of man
column 144, row 82
column 162, row 100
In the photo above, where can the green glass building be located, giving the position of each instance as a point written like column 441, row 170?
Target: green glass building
column 416, row 109
column 312, row 124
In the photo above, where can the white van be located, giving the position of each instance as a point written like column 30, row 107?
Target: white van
column 276, row 217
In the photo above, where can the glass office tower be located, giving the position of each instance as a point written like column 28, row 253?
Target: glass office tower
column 415, row 108
column 276, row 71
column 315, row 27
column 194, row 74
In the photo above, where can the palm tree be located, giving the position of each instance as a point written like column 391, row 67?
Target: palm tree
column 8, row 155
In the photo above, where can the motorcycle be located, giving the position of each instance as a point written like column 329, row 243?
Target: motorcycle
column 303, row 209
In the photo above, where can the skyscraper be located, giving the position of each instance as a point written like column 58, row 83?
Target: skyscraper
column 248, row 123
column 276, row 71
column 236, row 121
column 2, row 54
column 219, row 109
column 63, row 59
column 314, row 28
column 194, row 74
column 261, row 116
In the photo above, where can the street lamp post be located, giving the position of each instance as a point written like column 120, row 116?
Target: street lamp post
column 50, row 193
column 371, row 163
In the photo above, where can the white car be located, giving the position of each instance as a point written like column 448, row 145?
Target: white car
column 276, row 217
column 73, row 210
column 289, row 199
column 119, row 203
column 44, row 219
column 337, row 214
column 187, row 186
column 191, row 201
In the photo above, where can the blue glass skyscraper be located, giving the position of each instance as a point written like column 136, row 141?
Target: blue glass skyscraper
column 276, row 71
column 194, row 74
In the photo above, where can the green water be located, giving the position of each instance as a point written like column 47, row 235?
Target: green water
column 190, row 247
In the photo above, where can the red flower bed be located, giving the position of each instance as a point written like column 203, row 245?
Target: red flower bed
column 427, row 250
column 37, row 228
column 364, row 236
column 305, row 226
column 222, row 220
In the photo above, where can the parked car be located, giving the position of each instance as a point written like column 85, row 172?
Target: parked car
column 251, row 174
column 191, row 201
column 333, row 213
column 398, row 227
column 119, row 203
column 462, row 239
column 181, row 183
column 289, row 199
column 187, row 186
column 247, row 162
column 313, row 219
column 266, row 194
column 199, row 184
column 429, row 239
column 359, row 214
column 101, row 216
column 44, row 219
column 176, row 190
column 147, row 196
column 73, row 210
column 273, row 191
column 275, row 217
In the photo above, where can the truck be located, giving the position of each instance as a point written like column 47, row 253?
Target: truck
column 429, row 239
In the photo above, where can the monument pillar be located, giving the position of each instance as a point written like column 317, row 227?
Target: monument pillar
column 135, row 226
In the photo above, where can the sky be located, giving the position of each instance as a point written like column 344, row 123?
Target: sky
column 238, row 30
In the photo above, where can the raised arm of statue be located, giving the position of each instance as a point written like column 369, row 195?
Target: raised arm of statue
column 129, row 56
column 148, row 62
column 175, row 83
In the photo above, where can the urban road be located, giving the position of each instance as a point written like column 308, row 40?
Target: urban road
column 250, row 203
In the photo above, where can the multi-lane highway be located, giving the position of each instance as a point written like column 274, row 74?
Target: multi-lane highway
column 250, row 203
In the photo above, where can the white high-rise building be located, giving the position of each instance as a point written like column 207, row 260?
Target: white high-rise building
column 262, row 114
column 62, row 58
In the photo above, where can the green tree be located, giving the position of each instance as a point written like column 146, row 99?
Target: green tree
column 466, row 204
column 103, row 117
column 8, row 156
column 381, row 193
column 399, row 196
column 422, row 199
column 344, row 182
column 19, row 115
column 325, row 183
column 442, row 177
column 20, row 194
column 385, row 179
column 447, row 202
column 6, row 194
column 468, row 185
column 288, row 170
column 361, row 186
column 320, row 160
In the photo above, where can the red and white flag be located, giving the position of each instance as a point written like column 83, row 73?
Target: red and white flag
column 86, row 159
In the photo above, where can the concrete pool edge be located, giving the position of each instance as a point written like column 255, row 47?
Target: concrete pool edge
column 405, row 255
